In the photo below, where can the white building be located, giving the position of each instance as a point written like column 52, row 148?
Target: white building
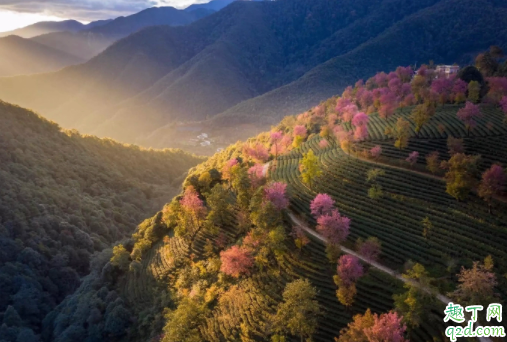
column 205, row 143
column 202, row 136
column 447, row 70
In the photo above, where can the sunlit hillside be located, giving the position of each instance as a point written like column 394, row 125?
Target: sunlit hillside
column 376, row 199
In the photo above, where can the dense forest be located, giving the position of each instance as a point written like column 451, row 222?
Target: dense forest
column 63, row 197
column 280, row 237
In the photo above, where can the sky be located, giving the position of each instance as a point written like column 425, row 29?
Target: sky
column 19, row 13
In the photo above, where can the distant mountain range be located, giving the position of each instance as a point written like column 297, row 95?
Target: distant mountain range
column 23, row 56
column 253, row 62
column 52, row 26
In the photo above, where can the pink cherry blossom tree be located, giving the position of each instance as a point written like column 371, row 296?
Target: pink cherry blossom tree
column 503, row 104
column 322, row 204
column 469, row 115
column 323, row 143
column 370, row 249
column 257, row 152
column 275, row 193
column 360, row 121
column 276, row 138
column 334, row 227
column 459, row 90
column 492, row 183
column 226, row 170
column 412, row 158
column 349, row 269
column 386, row 327
column 376, row 151
column 236, row 261
column 300, row 131
column 256, row 175
column 349, row 112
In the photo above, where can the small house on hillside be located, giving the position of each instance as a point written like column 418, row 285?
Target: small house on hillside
column 203, row 136
column 447, row 70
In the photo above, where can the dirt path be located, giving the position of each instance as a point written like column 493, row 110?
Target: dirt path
column 445, row 300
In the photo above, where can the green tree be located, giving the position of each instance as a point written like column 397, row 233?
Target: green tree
column 120, row 258
column 182, row 323
column 421, row 114
column 298, row 312
column 474, row 91
column 310, row 168
column 428, row 229
column 401, row 132
column 415, row 305
column 460, row 176
column 218, row 200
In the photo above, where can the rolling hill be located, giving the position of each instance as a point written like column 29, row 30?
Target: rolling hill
column 253, row 62
column 179, row 285
column 20, row 56
column 89, row 42
column 64, row 197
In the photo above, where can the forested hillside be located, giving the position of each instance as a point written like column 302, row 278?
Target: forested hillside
column 253, row 62
column 359, row 219
column 63, row 197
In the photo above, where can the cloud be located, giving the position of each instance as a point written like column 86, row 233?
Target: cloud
column 88, row 10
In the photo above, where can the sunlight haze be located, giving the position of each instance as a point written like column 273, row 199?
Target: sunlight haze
column 10, row 20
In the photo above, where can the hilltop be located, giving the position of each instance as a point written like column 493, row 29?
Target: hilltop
column 386, row 172
column 64, row 197
column 310, row 51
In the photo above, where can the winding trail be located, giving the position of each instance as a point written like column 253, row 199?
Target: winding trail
column 445, row 300
column 295, row 220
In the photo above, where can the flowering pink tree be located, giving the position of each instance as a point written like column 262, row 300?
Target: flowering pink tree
column 381, row 79
column 459, row 90
column 395, row 85
column 349, row 269
column 257, row 152
column 236, row 261
column 300, row 131
column 256, row 175
column 191, row 200
column 226, row 170
column 370, row 249
column 194, row 210
column 349, row 112
column 276, row 137
column 492, row 183
column 386, row 327
column 376, row 151
column 334, row 227
column 387, row 105
column 412, row 158
column 360, row 121
column 275, row 193
column 404, row 73
column 286, row 143
column 322, row 204
column 323, row 143
column 497, row 88
column 443, row 87
column 341, row 103
column 469, row 115
column 503, row 104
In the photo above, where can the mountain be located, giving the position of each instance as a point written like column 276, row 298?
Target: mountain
column 47, row 27
column 91, row 41
column 65, row 196
column 299, row 215
column 19, row 56
column 251, row 63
